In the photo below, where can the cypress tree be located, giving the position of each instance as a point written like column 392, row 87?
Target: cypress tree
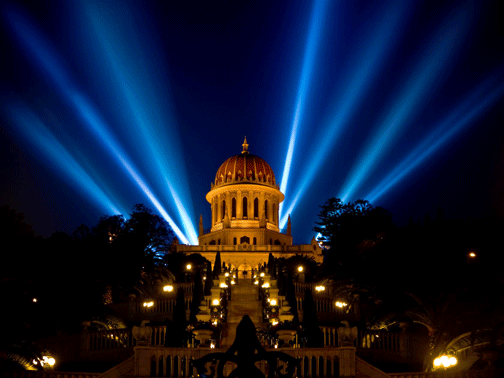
column 209, row 279
column 217, row 265
column 196, row 297
column 311, row 330
column 177, row 335
column 290, row 295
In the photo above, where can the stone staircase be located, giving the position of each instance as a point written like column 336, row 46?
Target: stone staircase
column 244, row 301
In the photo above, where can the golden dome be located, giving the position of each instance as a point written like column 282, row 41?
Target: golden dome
column 245, row 168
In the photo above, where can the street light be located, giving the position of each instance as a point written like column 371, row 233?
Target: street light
column 300, row 268
column 168, row 288
column 445, row 361
column 188, row 266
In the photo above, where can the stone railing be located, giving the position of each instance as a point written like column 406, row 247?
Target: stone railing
column 160, row 305
column 176, row 362
column 446, row 374
column 295, row 249
column 121, row 338
column 47, row 374
column 367, row 339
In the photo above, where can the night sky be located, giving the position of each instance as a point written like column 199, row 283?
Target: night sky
column 105, row 104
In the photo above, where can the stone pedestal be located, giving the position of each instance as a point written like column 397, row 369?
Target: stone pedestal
column 142, row 361
column 346, row 361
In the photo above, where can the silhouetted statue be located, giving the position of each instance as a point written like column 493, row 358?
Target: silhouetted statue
column 245, row 351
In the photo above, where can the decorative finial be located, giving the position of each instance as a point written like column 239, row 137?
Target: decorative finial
column 245, row 146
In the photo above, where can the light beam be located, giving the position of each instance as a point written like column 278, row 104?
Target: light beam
column 409, row 102
column 39, row 48
column 127, row 59
column 460, row 118
column 34, row 131
column 371, row 58
column 317, row 16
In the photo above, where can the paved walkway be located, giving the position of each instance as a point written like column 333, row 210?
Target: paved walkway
column 244, row 301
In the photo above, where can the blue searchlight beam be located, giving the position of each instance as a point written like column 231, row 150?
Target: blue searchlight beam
column 423, row 78
column 306, row 74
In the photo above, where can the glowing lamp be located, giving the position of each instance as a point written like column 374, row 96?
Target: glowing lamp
column 48, row 360
column 262, row 274
column 212, row 345
column 232, row 282
column 34, row 300
column 215, row 302
column 319, row 288
column 256, row 282
column 341, row 304
column 300, row 269
column 273, row 302
column 445, row 361
column 472, row 254
column 226, row 274
column 274, row 322
column 168, row 288
column 188, row 266
column 148, row 304
column 223, row 285
column 265, row 285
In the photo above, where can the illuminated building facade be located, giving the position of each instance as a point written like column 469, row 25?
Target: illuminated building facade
column 245, row 199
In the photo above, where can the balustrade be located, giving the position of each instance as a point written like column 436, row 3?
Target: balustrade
column 366, row 339
column 176, row 362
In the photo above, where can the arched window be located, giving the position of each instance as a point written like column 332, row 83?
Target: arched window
column 245, row 239
column 218, row 241
column 256, row 208
column 233, row 207
column 255, row 241
column 234, row 241
column 245, row 207
column 266, row 209
column 223, row 209
column 274, row 215
column 271, row 241
column 277, row 242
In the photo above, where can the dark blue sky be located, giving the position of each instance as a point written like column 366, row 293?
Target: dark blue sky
column 108, row 103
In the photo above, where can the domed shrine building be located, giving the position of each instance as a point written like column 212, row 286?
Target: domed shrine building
column 245, row 199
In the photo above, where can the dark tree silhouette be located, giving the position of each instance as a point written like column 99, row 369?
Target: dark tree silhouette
column 209, row 279
column 177, row 335
column 217, row 265
column 197, row 296
column 311, row 331
column 351, row 230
